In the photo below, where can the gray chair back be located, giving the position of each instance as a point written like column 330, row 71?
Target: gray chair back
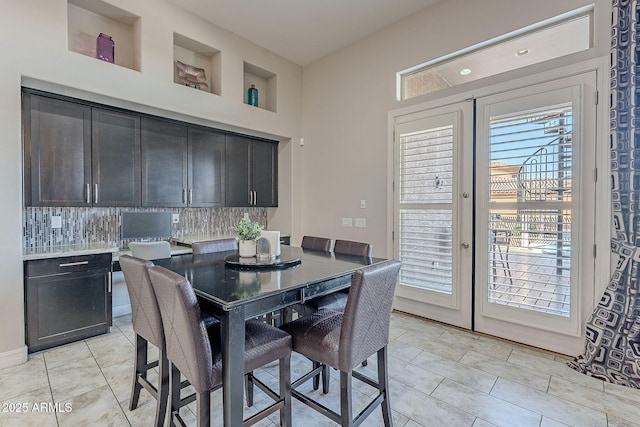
column 150, row 250
column 317, row 243
column 347, row 247
column 366, row 318
column 209, row 246
column 187, row 342
column 145, row 315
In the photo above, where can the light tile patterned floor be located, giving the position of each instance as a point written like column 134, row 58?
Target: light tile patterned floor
column 440, row 376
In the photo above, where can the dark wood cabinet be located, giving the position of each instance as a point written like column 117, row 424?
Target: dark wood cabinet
column 76, row 155
column 182, row 166
column 115, row 151
column 57, row 152
column 252, row 172
column 206, row 183
column 66, row 299
column 164, row 163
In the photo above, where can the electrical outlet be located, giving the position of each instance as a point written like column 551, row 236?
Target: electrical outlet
column 361, row 222
column 347, row 222
column 363, row 204
column 175, row 218
column 56, row 221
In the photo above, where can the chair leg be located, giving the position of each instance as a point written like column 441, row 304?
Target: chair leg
column 203, row 402
column 248, row 385
column 174, row 393
column 139, row 369
column 285, row 391
column 346, row 407
column 316, row 378
column 163, row 389
column 383, row 386
column 326, row 378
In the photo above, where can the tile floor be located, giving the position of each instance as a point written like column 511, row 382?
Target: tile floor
column 440, row 376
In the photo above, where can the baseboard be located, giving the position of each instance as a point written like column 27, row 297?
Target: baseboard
column 121, row 310
column 13, row 357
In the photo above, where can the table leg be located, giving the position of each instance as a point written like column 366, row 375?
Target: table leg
column 232, row 328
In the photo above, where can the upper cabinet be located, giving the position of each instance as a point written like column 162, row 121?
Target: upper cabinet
column 252, row 172
column 81, row 154
column 57, row 152
column 76, row 155
column 115, row 153
column 164, row 163
column 182, row 166
column 206, row 168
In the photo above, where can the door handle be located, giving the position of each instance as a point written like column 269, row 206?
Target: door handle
column 465, row 245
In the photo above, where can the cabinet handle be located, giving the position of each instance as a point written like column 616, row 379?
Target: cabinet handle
column 190, row 196
column 250, row 198
column 88, row 193
column 109, row 289
column 255, row 198
column 184, row 195
column 71, row 264
column 95, row 193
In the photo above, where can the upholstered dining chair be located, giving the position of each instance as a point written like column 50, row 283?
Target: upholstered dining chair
column 317, row 243
column 147, row 325
column 195, row 352
column 150, row 250
column 218, row 245
column 342, row 339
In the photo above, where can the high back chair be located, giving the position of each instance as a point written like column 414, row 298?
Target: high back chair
column 317, row 243
column 343, row 339
column 150, row 250
column 210, row 246
column 147, row 325
column 348, row 247
column 195, row 352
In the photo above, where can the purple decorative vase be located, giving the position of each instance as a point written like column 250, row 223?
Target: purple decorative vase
column 104, row 48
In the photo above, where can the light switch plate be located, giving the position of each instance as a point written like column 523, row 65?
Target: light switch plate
column 56, row 221
column 347, row 222
column 361, row 222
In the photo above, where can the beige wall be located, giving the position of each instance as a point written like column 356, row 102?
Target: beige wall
column 33, row 42
column 347, row 97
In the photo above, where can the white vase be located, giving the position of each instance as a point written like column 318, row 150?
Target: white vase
column 247, row 248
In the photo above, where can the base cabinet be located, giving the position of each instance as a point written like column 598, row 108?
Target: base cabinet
column 67, row 299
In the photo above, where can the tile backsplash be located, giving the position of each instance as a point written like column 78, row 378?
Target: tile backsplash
column 95, row 225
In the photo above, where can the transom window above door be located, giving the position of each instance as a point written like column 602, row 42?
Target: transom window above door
column 550, row 39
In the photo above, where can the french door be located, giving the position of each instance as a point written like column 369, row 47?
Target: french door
column 495, row 222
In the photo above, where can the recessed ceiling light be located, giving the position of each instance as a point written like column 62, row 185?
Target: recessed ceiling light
column 523, row 52
column 465, row 71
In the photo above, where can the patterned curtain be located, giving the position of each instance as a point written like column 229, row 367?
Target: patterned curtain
column 612, row 351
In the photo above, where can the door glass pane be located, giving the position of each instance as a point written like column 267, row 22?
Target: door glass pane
column 529, row 221
column 425, row 214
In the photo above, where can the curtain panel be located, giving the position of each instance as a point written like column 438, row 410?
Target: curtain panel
column 612, row 349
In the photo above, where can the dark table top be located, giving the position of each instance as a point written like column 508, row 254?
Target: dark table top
column 227, row 286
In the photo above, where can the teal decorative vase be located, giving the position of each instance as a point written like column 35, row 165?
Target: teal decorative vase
column 252, row 96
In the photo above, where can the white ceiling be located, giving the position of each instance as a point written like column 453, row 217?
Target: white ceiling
column 303, row 30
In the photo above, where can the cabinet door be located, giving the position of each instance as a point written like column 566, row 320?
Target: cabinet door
column 116, row 158
column 264, row 173
column 164, row 163
column 238, row 149
column 57, row 152
column 206, row 168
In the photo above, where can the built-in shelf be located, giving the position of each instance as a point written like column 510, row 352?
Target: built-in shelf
column 267, row 84
column 199, row 55
column 86, row 19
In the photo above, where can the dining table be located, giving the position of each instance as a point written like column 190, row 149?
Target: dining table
column 235, row 290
